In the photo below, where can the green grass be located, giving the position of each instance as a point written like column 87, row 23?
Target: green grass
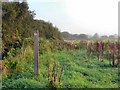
column 78, row 73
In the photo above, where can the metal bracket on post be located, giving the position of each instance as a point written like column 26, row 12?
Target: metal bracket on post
column 36, row 52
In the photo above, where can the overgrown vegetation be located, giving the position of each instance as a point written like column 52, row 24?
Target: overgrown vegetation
column 63, row 64
column 77, row 73
column 18, row 23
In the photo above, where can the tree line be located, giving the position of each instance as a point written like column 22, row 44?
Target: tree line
column 18, row 23
column 68, row 36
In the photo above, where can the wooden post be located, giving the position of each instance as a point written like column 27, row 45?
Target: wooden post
column 118, row 32
column 1, row 31
column 36, row 53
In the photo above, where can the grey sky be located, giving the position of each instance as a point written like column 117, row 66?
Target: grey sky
column 79, row 16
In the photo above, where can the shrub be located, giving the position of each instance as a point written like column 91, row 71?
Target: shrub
column 44, row 46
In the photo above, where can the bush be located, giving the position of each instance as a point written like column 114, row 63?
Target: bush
column 44, row 46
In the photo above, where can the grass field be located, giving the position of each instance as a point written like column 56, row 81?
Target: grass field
column 79, row 71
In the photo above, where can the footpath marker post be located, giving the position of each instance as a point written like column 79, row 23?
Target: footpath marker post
column 36, row 52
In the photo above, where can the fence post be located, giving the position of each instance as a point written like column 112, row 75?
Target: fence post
column 36, row 52
column 118, row 32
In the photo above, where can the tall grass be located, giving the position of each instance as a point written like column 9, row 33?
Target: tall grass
column 77, row 72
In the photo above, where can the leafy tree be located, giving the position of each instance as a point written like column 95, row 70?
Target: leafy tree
column 18, row 23
column 83, row 36
column 96, row 35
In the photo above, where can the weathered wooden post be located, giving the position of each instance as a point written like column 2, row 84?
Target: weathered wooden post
column 119, row 32
column 36, row 52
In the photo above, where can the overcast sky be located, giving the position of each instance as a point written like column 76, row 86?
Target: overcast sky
column 79, row 16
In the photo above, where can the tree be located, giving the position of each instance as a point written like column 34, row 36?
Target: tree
column 66, row 35
column 83, row 36
column 95, row 36
column 18, row 24
column 104, row 37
